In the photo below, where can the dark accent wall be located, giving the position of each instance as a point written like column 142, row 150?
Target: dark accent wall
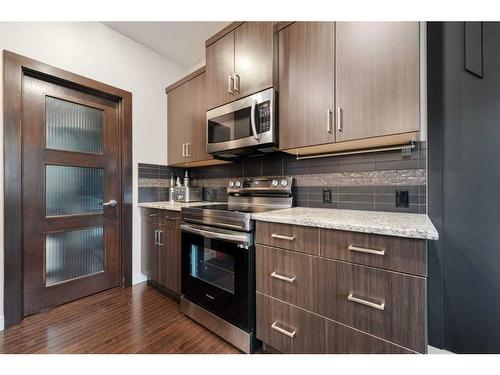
column 464, row 186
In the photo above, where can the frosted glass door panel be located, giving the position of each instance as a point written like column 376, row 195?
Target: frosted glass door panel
column 73, row 190
column 73, row 254
column 73, row 127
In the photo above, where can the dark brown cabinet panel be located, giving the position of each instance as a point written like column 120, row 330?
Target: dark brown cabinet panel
column 288, row 328
column 293, row 237
column 253, row 57
column 219, row 70
column 386, row 304
column 406, row 255
column 177, row 124
column 306, row 79
column 196, row 104
column 283, row 274
column 341, row 339
column 161, row 248
column 377, row 73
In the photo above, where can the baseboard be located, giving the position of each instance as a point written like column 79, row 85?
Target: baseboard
column 433, row 350
column 139, row 278
column 2, row 320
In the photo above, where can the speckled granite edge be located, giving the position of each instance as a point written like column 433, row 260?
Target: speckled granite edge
column 386, row 223
column 175, row 206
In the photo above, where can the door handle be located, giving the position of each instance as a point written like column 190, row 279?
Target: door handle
column 236, row 82
column 183, row 150
column 230, row 84
column 283, row 331
column 340, row 127
column 283, row 237
column 188, row 151
column 276, row 275
column 378, row 306
column 156, row 237
column 159, row 238
column 328, row 120
column 111, row 203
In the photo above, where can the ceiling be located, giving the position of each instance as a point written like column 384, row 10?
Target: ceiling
column 180, row 42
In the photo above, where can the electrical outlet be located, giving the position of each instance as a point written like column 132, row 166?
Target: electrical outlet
column 402, row 198
column 327, row 196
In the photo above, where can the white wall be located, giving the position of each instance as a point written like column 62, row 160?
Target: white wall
column 95, row 51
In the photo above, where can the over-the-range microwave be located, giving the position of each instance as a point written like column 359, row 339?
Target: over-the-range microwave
column 243, row 127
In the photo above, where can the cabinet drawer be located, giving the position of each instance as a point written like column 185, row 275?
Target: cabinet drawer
column 170, row 218
column 394, row 253
column 285, row 275
column 288, row 328
column 286, row 236
column 341, row 339
column 386, row 304
column 151, row 214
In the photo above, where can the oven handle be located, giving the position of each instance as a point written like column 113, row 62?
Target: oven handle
column 238, row 238
column 252, row 120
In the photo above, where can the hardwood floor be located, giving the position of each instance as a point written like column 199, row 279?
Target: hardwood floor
column 132, row 320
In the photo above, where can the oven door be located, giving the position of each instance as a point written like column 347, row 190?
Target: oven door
column 247, row 122
column 217, row 272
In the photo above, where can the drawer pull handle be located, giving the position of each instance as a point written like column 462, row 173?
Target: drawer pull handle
column 365, row 250
column 283, row 331
column 281, row 277
column 283, row 237
column 378, row 306
column 152, row 215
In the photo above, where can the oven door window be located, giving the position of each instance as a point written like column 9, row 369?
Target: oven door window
column 213, row 267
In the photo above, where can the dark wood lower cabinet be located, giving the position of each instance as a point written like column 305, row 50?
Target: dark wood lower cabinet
column 161, row 249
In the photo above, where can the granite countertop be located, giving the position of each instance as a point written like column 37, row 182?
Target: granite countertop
column 386, row 223
column 173, row 206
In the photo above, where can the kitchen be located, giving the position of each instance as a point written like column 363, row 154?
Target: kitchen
column 296, row 203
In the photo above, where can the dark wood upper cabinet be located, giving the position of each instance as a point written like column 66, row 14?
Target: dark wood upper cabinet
column 220, row 70
column 177, row 124
column 240, row 63
column 377, row 72
column 306, row 77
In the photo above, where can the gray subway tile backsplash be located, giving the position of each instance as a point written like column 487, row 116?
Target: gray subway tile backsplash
column 360, row 182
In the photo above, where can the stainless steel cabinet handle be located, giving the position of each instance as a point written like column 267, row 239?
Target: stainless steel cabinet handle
column 156, row 237
column 283, row 237
column 230, row 84
column 281, row 277
column 339, row 119
column 110, row 203
column 366, row 250
column 378, row 306
column 252, row 120
column 188, row 150
column 159, row 238
column 283, row 331
column 236, row 82
column 152, row 215
column 183, row 150
column 328, row 120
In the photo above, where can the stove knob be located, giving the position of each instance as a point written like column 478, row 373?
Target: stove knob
column 284, row 183
column 238, row 184
column 231, row 184
column 274, row 183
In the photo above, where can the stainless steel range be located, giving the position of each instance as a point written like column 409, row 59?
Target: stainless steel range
column 218, row 260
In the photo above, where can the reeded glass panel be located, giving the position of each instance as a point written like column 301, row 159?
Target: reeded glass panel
column 73, row 127
column 73, row 254
column 73, row 190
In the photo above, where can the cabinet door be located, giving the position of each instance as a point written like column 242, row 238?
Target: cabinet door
column 377, row 78
column 170, row 256
column 219, row 67
column 177, row 124
column 149, row 250
column 306, row 76
column 196, row 104
column 253, row 57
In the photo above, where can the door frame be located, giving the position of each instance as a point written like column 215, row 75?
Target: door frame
column 15, row 68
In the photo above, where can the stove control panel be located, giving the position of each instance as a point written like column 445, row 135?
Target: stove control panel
column 249, row 185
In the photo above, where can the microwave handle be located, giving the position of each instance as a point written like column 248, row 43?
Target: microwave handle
column 252, row 120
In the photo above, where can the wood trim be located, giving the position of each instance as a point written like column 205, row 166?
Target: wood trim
column 359, row 144
column 183, row 80
column 224, row 31
column 202, row 163
column 15, row 67
column 281, row 25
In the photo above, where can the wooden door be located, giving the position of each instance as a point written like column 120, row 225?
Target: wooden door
column 253, row 57
column 70, row 168
column 170, row 255
column 219, row 71
column 177, row 125
column 377, row 78
column 306, row 76
column 149, row 248
column 197, row 118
